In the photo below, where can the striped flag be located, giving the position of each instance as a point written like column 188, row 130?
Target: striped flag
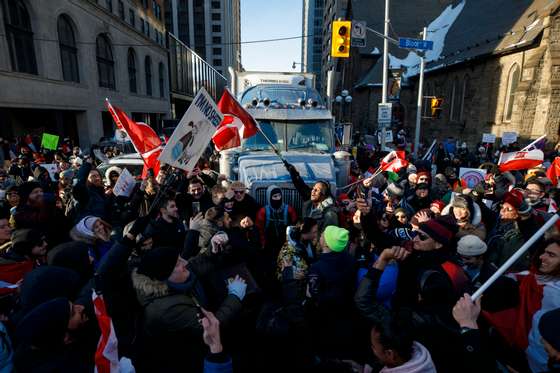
column 394, row 161
column 106, row 355
column 521, row 160
column 537, row 144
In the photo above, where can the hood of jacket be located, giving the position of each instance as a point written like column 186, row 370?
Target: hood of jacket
column 148, row 289
column 420, row 362
column 108, row 173
column 475, row 213
column 269, row 194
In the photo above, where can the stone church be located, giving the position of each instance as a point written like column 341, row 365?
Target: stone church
column 496, row 64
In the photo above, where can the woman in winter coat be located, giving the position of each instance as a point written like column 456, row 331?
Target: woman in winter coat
column 467, row 215
column 94, row 232
column 89, row 192
column 298, row 248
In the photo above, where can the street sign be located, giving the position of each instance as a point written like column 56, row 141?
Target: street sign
column 408, row 43
column 358, row 34
column 385, row 113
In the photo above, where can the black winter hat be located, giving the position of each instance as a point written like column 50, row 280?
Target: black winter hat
column 549, row 327
column 23, row 240
column 72, row 255
column 158, row 263
column 45, row 326
column 25, row 190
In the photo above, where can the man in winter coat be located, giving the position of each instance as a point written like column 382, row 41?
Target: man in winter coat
column 89, row 192
column 550, row 332
column 170, row 295
column 244, row 204
column 273, row 219
column 197, row 200
column 167, row 230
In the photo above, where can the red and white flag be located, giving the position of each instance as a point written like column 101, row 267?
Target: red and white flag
column 394, row 161
column 143, row 137
column 237, row 123
column 106, row 355
column 521, row 160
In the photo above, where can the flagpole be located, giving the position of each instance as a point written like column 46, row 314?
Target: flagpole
column 429, row 150
column 515, row 256
column 270, row 143
column 533, row 143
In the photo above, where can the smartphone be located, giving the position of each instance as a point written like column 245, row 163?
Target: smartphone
column 195, row 208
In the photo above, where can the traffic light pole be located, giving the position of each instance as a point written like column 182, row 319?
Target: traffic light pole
column 420, row 99
column 385, row 67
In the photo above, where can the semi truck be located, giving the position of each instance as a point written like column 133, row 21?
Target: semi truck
column 292, row 115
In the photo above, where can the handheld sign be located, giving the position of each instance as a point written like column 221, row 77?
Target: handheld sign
column 124, row 185
column 193, row 133
column 49, row 141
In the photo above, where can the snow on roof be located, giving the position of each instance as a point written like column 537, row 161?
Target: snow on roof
column 437, row 31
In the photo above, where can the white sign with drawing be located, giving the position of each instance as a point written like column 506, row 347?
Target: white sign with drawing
column 193, row 133
column 124, row 185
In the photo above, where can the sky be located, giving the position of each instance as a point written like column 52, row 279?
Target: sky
column 269, row 19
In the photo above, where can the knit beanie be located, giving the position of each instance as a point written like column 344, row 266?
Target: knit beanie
column 549, row 327
column 158, row 263
column 425, row 173
column 395, row 190
column 471, row 245
column 439, row 230
column 514, row 198
column 23, row 240
column 336, row 238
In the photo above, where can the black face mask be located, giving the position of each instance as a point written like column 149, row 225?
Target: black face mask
column 275, row 203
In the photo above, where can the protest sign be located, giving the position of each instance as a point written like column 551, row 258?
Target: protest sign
column 388, row 136
column 49, row 141
column 472, row 176
column 509, row 138
column 52, row 168
column 124, row 185
column 193, row 133
column 488, row 138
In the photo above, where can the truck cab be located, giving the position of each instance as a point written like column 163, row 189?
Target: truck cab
column 294, row 118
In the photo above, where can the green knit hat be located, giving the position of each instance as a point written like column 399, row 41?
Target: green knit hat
column 336, row 238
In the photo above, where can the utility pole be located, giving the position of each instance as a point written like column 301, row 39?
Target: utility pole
column 385, row 67
column 420, row 98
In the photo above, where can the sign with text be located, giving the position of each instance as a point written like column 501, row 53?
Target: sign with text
column 125, row 184
column 509, row 138
column 358, row 34
column 385, row 113
column 193, row 133
column 407, row 43
column 488, row 138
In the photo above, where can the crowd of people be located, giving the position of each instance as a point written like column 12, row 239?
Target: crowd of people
column 197, row 276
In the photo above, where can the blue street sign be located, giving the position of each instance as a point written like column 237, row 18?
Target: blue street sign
column 407, row 43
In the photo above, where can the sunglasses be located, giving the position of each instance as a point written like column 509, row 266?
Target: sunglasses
column 401, row 216
column 239, row 191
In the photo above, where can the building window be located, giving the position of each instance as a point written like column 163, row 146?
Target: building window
column 217, row 62
column 217, row 51
column 465, row 87
column 132, row 71
column 148, row 68
column 142, row 25
column 68, row 50
column 109, row 5
column 161, row 80
column 105, row 62
column 513, row 80
column 216, row 16
column 217, row 40
column 215, row 5
column 145, row 4
column 132, row 18
column 456, row 96
column 147, row 29
column 19, row 36
column 121, row 9
column 216, row 28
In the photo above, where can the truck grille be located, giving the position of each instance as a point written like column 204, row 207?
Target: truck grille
column 289, row 196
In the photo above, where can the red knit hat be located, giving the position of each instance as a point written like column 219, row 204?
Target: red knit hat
column 514, row 197
column 439, row 230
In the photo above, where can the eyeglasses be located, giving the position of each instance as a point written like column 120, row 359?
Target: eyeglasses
column 508, row 209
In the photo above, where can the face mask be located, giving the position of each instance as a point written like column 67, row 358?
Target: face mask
column 275, row 203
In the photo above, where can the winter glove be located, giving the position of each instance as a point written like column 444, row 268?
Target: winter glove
column 290, row 167
column 218, row 241
column 237, row 286
column 196, row 222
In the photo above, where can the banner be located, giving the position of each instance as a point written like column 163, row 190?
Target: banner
column 193, row 133
column 49, row 141
column 472, row 176
column 125, row 184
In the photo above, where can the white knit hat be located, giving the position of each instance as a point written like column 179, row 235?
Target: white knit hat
column 471, row 245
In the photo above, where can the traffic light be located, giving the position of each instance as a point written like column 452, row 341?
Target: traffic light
column 435, row 106
column 340, row 39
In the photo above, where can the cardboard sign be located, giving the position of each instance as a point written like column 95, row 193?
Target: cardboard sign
column 472, row 176
column 488, row 138
column 124, row 185
column 193, row 133
column 509, row 138
column 49, row 141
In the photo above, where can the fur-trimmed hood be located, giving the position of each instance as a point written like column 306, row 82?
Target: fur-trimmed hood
column 475, row 213
column 148, row 289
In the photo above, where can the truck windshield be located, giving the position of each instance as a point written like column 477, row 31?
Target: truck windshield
column 280, row 94
column 308, row 136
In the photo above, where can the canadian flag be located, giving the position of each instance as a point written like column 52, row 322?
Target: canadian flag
column 144, row 139
column 394, row 161
column 106, row 355
column 237, row 123
column 521, row 160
